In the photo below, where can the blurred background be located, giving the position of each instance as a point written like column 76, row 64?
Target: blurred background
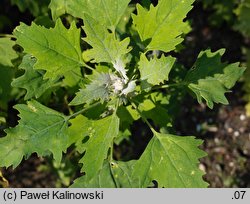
column 225, row 130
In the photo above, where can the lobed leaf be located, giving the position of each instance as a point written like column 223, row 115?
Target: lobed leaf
column 101, row 138
column 112, row 175
column 40, row 129
column 211, row 79
column 155, row 71
column 171, row 161
column 109, row 12
column 6, row 52
column 97, row 89
column 164, row 23
column 78, row 130
column 105, row 46
column 57, row 49
column 32, row 80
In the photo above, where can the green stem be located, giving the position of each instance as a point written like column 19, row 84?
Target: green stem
column 143, row 117
column 87, row 66
column 7, row 35
column 112, row 146
column 111, row 152
column 165, row 86
column 57, row 84
column 83, row 110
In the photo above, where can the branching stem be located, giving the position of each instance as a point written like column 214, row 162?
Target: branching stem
column 165, row 86
column 83, row 110
column 87, row 66
column 143, row 117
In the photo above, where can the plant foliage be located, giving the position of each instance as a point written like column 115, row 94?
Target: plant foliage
column 116, row 69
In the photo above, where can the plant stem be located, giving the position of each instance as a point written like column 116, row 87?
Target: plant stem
column 168, row 86
column 112, row 146
column 111, row 152
column 57, row 84
column 7, row 35
column 143, row 117
column 87, row 66
column 83, row 110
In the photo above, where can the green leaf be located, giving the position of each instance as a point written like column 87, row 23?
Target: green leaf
column 36, row 7
column 59, row 7
column 101, row 139
column 155, row 71
column 122, row 174
column 112, row 175
column 6, row 52
column 105, row 46
column 211, row 79
column 57, row 49
column 155, row 111
column 243, row 13
column 109, row 11
column 97, row 89
column 72, row 78
column 126, row 121
column 6, row 75
column 102, row 180
column 40, row 129
column 246, row 86
column 164, row 23
column 79, row 129
column 32, row 80
column 172, row 161
column 123, row 25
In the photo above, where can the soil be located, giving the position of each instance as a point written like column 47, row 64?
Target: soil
column 226, row 135
column 225, row 130
column 29, row 175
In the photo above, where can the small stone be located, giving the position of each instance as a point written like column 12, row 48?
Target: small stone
column 236, row 134
column 230, row 130
column 216, row 140
column 242, row 117
column 213, row 129
column 242, row 130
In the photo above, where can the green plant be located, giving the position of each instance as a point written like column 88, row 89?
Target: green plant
column 242, row 25
column 35, row 7
column 221, row 11
column 125, row 73
column 237, row 15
